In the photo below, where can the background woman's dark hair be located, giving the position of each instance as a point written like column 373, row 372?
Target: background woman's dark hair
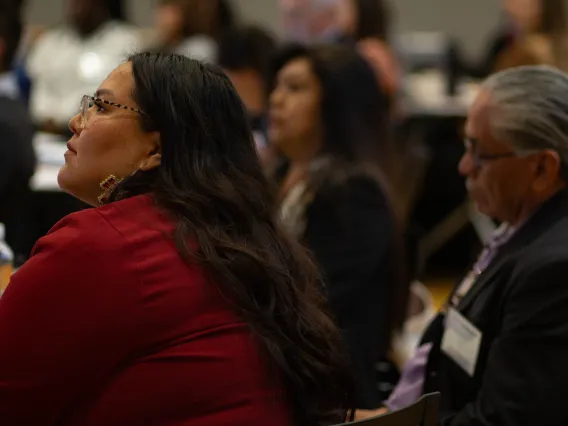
column 373, row 19
column 211, row 182
column 356, row 127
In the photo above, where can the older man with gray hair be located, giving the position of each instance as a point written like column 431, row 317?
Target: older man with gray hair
column 498, row 350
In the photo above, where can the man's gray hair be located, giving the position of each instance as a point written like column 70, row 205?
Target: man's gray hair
column 531, row 109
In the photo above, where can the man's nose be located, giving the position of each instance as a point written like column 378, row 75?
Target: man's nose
column 466, row 165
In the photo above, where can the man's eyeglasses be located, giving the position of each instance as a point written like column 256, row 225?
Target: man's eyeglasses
column 480, row 159
column 87, row 102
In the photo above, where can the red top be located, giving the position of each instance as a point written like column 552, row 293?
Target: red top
column 105, row 325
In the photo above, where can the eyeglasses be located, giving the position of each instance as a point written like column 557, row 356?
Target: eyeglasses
column 480, row 159
column 87, row 102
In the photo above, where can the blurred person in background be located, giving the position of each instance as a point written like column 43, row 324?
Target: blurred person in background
column 363, row 24
column 533, row 32
column 71, row 60
column 178, row 299
column 367, row 23
column 193, row 27
column 17, row 157
column 497, row 350
column 542, row 37
column 330, row 119
column 245, row 54
column 306, row 21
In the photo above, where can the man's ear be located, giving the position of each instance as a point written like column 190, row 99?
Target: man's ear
column 547, row 171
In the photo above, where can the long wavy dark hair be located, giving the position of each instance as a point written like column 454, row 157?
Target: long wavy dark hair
column 212, row 184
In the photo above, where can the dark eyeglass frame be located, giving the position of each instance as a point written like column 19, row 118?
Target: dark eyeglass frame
column 480, row 159
column 86, row 105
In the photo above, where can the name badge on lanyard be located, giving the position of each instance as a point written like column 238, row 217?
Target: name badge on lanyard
column 461, row 341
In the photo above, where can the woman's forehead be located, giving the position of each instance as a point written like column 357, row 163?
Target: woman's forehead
column 297, row 67
column 118, row 84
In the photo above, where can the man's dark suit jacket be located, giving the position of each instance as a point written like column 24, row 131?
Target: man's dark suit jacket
column 520, row 304
column 17, row 165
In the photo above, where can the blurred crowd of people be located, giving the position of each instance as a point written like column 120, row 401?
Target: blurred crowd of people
column 325, row 108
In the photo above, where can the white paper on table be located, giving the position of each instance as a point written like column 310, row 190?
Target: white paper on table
column 426, row 92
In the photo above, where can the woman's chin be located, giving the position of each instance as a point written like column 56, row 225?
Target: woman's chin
column 66, row 182
column 63, row 177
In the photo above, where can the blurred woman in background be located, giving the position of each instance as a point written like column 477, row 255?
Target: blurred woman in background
column 330, row 118
column 193, row 28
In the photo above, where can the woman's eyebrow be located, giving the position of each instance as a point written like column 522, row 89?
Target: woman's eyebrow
column 104, row 92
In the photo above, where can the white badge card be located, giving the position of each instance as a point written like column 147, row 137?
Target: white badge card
column 461, row 341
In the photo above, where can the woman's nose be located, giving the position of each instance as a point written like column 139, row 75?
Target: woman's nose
column 275, row 98
column 75, row 124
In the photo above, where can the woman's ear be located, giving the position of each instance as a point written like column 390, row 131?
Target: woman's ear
column 151, row 162
column 154, row 157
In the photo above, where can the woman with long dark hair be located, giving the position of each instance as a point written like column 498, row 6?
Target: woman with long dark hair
column 330, row 119
column 177, row 300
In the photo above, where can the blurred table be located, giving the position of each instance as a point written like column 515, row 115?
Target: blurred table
column 49, row 152
column 425, row 95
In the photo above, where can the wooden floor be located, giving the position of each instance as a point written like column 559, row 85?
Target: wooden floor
column 440, row 289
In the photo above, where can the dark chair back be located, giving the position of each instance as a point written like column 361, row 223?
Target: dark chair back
column 423, row 412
